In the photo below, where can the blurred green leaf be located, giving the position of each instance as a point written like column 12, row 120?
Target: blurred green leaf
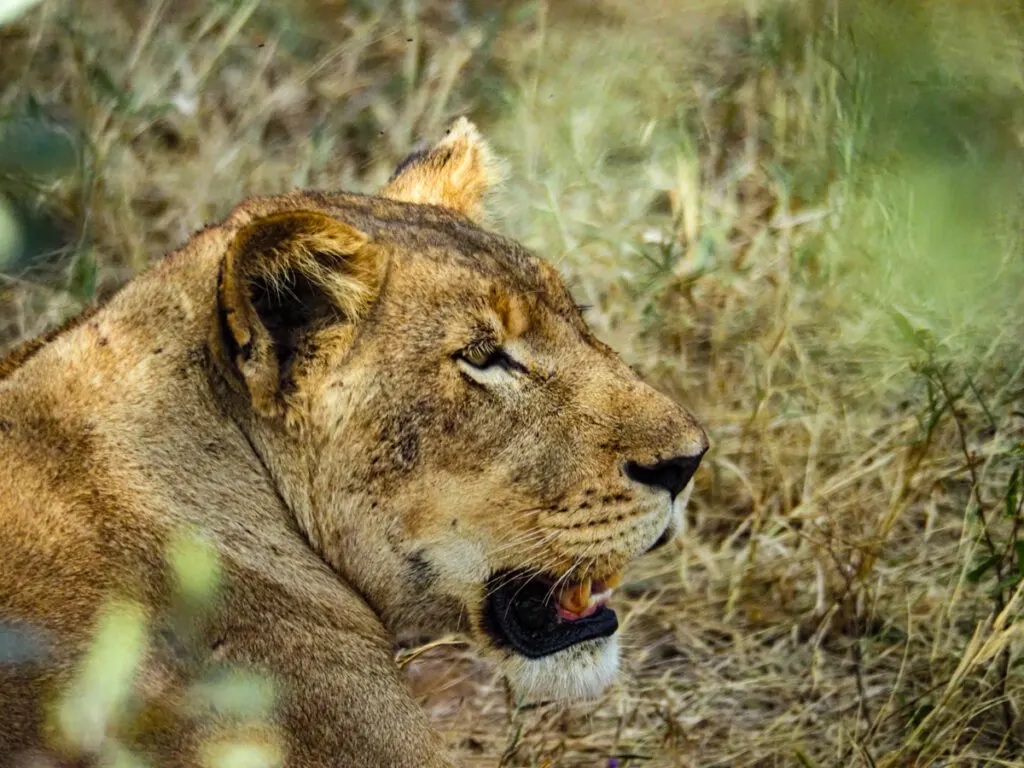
column 117, row 756
column 237, row 694
column 241, row 755
column 920, row 713
column 10, row 236
column 102, row 687
column 1010, row 581
column 82, row 278
column 196, row 567
column 38, row 147
column 1011, row 493
column 36, row 152
column 907, row 331
column 976, row 573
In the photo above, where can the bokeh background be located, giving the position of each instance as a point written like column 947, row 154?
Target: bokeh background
column 801, row 219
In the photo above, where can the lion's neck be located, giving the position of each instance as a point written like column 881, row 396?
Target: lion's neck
column 137, row 377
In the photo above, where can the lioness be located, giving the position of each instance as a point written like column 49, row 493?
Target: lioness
column 383, row 417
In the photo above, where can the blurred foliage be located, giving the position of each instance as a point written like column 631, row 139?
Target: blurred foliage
column 126, row 683
column 98, row 698
column 804, row 223
column 932, row 98
column 35, row 153
column 917, row 110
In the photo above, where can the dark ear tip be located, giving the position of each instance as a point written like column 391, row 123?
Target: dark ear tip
column 413, row 157
column 454, row 173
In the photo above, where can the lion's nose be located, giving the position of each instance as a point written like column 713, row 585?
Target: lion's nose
column 671, row 474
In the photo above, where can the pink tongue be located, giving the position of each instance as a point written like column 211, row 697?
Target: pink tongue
column 570, row 616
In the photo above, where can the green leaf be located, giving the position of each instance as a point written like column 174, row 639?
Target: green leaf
column 1011, row 494
column 122, row 97
column 10, row 235
column 104, row 83
column 82, row 279
column 921, row 713
column 1010, row 581
column 104, row 684
column 38, row 147
column 974, row 576
column 196, row 567
column 1019, row 547
column 906, row 329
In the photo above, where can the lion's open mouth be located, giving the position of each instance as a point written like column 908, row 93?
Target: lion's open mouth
column 536, row 616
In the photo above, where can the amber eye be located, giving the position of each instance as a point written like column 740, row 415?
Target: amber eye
column 488, row 357
column 484, row 356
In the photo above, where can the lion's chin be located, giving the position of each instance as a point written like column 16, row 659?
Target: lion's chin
column 580, row 672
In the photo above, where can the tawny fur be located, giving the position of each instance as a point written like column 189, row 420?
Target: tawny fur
column 289, row 383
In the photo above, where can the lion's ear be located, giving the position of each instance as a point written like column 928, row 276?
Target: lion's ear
column 283, row 277
column 456, row 173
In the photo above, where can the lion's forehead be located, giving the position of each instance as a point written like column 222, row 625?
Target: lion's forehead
column 455, row 270
column 455, row 256
column 442, row 235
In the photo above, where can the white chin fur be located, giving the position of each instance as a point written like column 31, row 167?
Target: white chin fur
column 583, row 671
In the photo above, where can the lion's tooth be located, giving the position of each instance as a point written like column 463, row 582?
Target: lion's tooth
column 577, row 597
column 565, row 599
column 584, row 593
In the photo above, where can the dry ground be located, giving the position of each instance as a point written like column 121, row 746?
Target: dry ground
column 800, row 219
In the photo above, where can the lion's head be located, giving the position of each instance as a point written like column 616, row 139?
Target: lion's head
column 451, row 437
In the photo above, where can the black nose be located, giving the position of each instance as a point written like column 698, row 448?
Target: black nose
column 671, row 474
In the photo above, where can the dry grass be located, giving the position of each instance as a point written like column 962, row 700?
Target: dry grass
column 802, row 221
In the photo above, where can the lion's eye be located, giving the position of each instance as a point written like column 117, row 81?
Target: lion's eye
column 484, row 357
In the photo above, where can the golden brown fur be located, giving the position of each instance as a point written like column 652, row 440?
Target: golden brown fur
column 298, row 383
